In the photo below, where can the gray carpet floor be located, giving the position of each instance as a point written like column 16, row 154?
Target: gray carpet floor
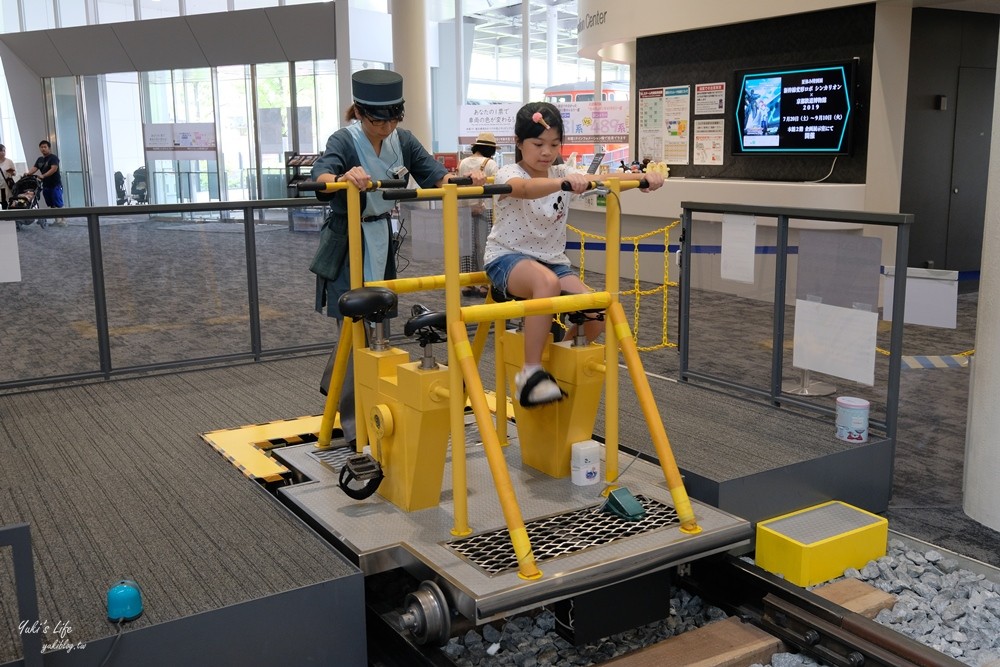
column 117, row 484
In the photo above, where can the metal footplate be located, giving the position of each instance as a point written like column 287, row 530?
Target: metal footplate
column 578, row 546
column 562, row 534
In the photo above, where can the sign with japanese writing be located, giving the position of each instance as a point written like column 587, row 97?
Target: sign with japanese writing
column 495, row 118
column 180, row 141
column 583, row 122
column 594, row 122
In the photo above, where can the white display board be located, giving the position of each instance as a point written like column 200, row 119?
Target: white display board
column 835, row 340
column 739, row 246
column 10, row 262
column 931, row 297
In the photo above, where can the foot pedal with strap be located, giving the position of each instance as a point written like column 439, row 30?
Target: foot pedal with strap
column 361, row 468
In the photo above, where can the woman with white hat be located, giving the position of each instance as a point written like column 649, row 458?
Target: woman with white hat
column 372, row 147
column 483, row 150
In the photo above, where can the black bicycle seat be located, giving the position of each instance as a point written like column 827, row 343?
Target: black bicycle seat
column 369, row 303
column 437, row 320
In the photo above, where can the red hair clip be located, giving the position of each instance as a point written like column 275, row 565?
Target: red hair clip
column 537, row 117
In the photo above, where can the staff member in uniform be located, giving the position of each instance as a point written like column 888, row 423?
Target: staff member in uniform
column 372, row 147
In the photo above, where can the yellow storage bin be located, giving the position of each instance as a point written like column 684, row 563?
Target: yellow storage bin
column 818, row 543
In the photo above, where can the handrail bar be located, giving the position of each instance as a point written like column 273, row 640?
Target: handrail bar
column 138, row 209
column 828, row 215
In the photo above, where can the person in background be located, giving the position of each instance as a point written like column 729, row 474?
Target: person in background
column 7, row 172
column 371, row 147
column 47, row 166
column 526, row 249
column 483, row 150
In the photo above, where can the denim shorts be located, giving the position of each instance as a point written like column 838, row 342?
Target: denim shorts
column 498, row 271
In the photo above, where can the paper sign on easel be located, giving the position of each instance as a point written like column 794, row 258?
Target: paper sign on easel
column 739, row 239
column 835, row 340
column 10, row 263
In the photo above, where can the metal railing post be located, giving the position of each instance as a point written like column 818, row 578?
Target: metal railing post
column 253, row 288
column 100, row 295
column 18, row 537
column 684, row 300
column 780, row 288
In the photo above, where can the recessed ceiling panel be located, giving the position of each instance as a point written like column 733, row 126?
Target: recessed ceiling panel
column 93, row 49
column 160, row 44
column 236, row 38
column 38, row 52
column 306, row 32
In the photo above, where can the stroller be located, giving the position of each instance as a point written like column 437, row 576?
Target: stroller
column 24, row 196
column 139, row 186
column 120, row 193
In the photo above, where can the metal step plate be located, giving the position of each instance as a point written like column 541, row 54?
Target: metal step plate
column 562, row 534
column 577, row 547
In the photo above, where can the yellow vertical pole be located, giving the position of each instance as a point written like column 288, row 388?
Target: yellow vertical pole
column 344, row 347
column 354, row 246
column 459, row 341
column 499, row 337
column 612, row 275
column 658, row 434
column 456, row 397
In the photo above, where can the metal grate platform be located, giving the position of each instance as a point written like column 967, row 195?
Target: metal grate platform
column 581, row 547
column 334, row 458
column 562, row 534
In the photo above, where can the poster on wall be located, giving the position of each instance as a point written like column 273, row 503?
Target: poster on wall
column 269, row 127
column 650, row 143
column 709, row 136
column 179, row 141
column 676, row 124
column 709, row 98
column 594, row 122
column 496, row 118
column 583, row 122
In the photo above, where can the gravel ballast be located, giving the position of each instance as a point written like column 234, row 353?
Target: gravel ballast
column 938, row 603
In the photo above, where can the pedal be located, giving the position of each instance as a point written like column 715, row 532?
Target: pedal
column 624, row 505
column 361, row 468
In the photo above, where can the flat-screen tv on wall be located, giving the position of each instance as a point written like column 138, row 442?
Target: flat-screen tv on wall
column 798, row 110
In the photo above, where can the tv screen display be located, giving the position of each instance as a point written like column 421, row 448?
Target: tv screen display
column 802, row 110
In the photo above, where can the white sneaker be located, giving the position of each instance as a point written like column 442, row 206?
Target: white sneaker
column 538, row 388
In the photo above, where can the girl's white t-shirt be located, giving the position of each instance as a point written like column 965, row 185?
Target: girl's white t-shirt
column 532, row 227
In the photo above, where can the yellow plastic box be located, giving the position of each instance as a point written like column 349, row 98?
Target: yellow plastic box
column 818, row 543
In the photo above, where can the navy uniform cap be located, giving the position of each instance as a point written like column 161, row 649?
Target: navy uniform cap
column 377, row 87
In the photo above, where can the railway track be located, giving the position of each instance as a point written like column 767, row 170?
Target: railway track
column 811, row 625
column 802, row 620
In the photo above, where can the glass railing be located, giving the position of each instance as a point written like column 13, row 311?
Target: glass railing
column 112, row 290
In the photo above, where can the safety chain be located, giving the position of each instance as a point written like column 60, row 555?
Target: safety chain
column 636, row 290
column 967, row 353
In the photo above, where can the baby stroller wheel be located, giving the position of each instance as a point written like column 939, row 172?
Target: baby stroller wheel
column 42, row 222
column 18, row 224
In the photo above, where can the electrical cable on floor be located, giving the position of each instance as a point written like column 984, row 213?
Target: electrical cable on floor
column 600, row 508
column 114, row 644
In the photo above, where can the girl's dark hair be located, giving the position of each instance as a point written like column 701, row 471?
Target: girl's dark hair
column 485, row 151
column 525, row 126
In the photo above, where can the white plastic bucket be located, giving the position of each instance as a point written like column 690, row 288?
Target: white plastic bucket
column 852, row 419
column 585, row 462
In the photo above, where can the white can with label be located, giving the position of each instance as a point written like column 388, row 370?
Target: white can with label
column 852, row 419
column 585, row 462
